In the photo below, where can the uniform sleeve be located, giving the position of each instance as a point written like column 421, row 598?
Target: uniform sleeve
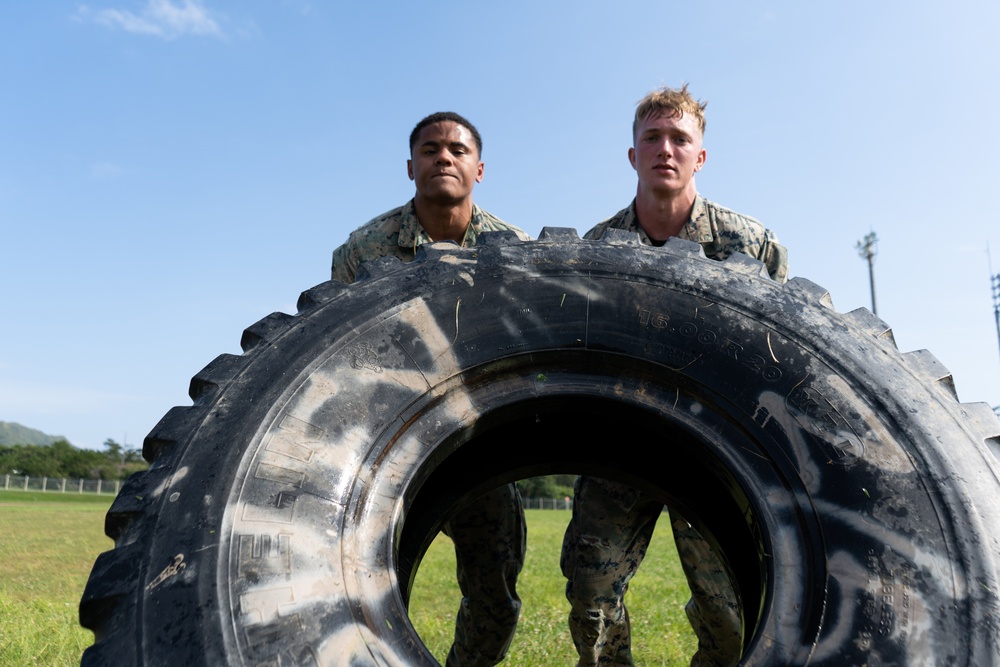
column 597, row 231
column 775, row 257
column 345, row 262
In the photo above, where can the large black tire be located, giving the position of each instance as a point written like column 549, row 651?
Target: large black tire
column 853, row 498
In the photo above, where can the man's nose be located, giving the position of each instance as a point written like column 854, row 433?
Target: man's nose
column 444, row 157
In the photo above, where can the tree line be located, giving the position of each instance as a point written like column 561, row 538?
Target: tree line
column 61, row 459
column 550, row 486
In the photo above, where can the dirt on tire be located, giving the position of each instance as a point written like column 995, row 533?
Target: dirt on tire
column 285, row 512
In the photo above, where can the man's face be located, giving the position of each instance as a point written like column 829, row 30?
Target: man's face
column 667, row 153
column 445, row 163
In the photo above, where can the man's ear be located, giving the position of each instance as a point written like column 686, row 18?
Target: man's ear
column 631, row 157
column 702, row 156
column 479, row 172
column 409, row 169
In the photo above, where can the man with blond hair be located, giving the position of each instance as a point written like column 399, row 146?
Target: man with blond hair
column 612, row 522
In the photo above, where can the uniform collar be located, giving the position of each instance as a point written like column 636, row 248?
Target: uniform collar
column 698, row 228
column 412, row 233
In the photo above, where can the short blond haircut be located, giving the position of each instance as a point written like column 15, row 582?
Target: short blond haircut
column 669, row 102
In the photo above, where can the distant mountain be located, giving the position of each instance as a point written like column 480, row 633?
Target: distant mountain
column 12, row 433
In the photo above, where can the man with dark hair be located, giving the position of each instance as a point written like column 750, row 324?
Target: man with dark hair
column 442, row 116
column 489, row 535
column 612, row 522
column 444, row 165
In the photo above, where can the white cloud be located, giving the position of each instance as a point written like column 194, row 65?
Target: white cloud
column 163, row 18
column 303, row 7
column 104, row 170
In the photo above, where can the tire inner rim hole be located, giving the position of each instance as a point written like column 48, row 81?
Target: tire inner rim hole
column 590, row 436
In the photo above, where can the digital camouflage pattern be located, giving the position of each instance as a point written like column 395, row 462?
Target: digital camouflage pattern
column 490, row 539
column 398, row 233
column 612, row 523
column 490, row 534
column 604, row 544
column 712, row 610
column 720, row 231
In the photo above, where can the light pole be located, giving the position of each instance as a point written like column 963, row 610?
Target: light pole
column 995, row 285
column 995, row 288
column 867, row 248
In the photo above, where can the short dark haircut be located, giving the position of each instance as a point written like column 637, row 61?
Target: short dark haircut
column 441, row 116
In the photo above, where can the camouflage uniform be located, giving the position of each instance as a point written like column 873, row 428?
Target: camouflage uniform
column 720, row 232
column 612, row 523
column 489, row 534
column 398, row 233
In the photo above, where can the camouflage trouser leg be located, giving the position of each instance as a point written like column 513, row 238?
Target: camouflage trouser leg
column 490, row 538
column 603, row 547
column 713, row 610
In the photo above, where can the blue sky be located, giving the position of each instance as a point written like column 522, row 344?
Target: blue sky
column 171, row 171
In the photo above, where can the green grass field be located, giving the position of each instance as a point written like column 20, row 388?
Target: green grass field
column 660, row 631
column 49, row 543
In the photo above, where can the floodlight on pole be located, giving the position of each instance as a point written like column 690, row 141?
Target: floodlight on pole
column 867, row 249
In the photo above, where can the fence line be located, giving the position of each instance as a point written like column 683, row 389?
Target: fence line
column 111, row 486
column 60, row 484
column 547, row 503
